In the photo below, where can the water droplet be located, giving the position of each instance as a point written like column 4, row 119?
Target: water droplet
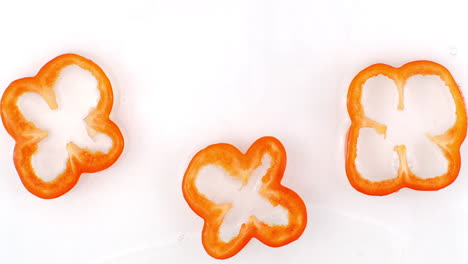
column 453, row 51
column 180, row 237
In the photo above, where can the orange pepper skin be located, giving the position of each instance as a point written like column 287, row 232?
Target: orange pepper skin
column 27, row 135
column 237, row 164
column 449, row 142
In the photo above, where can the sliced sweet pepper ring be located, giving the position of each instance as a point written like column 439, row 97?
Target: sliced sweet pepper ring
column 449, row 142
column 27, row 135
column 237, row 164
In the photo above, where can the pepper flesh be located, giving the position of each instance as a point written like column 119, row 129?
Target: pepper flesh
column 235, row 163
column 449, row 142
column 28, row 136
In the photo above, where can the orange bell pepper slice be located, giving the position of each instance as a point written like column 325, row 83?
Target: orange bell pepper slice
column 240, row 166
column 27, row 135
column 449, row 142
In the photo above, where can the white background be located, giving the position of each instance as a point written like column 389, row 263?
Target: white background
column 187, row 74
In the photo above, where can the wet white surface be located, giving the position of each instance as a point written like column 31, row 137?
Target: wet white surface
column 187, row 74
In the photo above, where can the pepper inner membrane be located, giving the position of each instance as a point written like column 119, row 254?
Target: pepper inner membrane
column 217, row 185
column 422, row 109
column 76, row 93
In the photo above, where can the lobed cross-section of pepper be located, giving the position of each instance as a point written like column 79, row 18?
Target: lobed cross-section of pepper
column 448, row 142
column 27, row 135
column 240, row 166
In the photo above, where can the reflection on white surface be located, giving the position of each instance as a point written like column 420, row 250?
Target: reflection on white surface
column 332, row 237
column 187, row 74
column 76, row 95
column 220, row 187
column 428, row 110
